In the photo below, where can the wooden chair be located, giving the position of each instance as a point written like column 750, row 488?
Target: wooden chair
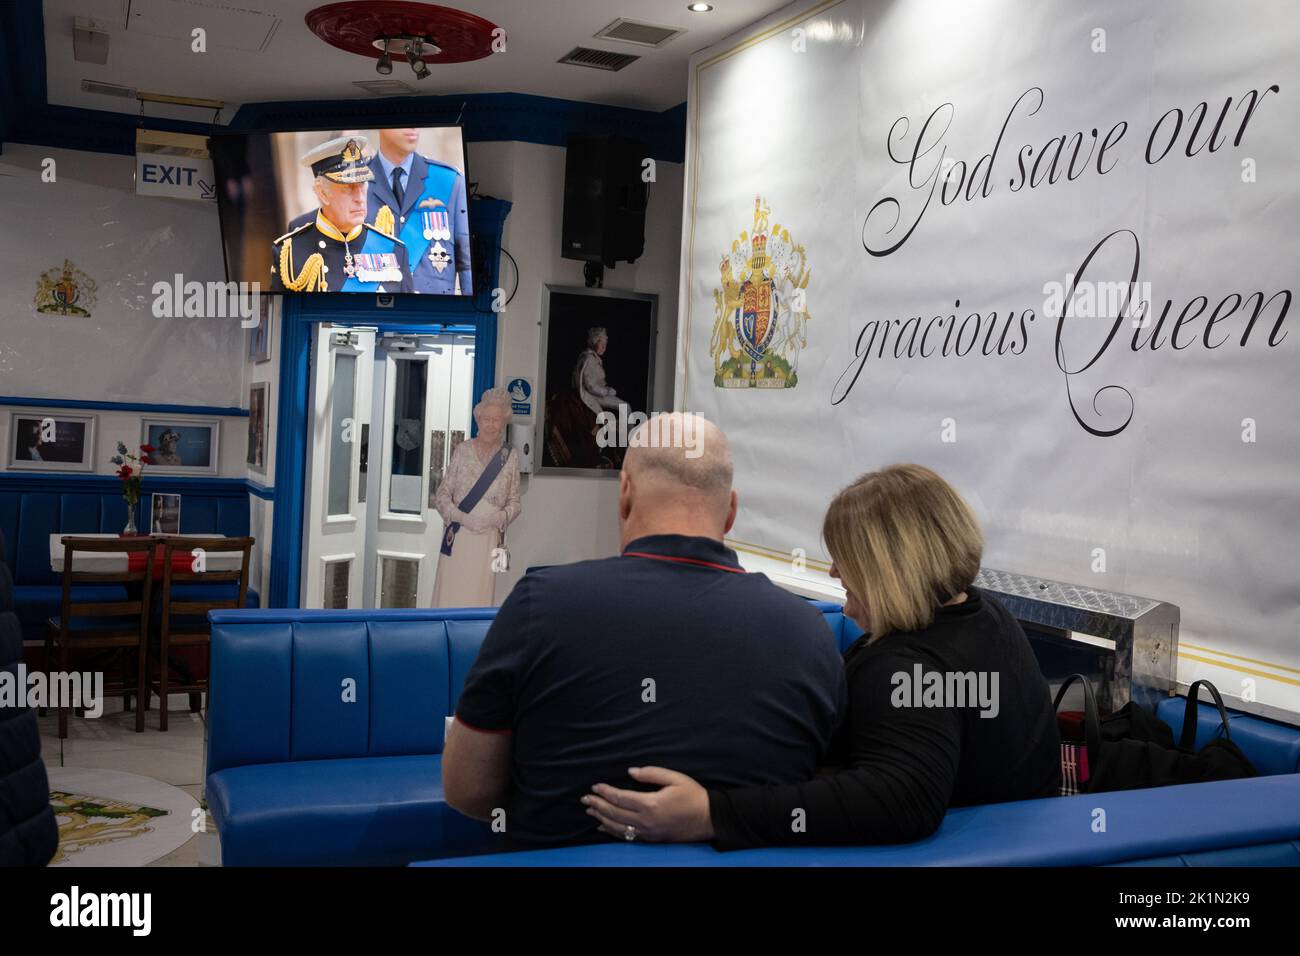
column 105, row 625
column 185, row 622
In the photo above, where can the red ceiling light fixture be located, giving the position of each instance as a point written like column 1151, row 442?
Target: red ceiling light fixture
column 426, row 34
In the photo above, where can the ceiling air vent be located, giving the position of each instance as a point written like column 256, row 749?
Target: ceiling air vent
column 642, row 34
column 229, row 25
column 598, row 59
column 385, row 87
column 106, row 89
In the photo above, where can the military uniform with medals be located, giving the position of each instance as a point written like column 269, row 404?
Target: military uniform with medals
column 432, row 219
column 316, row 256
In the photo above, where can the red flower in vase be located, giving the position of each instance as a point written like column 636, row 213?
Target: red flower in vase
column 148, row 450
column 125, row 472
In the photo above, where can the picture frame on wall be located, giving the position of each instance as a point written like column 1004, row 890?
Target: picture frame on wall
column 51, row 441
column 183, row 446
column 257, row 425
column 584, row 372
column 165, row 514
column 259, row 336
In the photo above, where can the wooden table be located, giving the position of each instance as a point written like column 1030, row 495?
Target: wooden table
column 111, row 562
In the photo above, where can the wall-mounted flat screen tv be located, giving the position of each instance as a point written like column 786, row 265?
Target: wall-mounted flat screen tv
column 361, row 210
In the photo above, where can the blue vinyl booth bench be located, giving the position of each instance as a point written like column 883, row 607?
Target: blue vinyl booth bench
column 32, row 507
column 297, row 776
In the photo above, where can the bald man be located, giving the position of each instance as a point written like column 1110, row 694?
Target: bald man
column 668, row 655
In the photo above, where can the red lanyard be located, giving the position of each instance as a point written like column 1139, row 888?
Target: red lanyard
column 677, row 560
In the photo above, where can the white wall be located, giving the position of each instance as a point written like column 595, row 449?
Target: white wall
column 569, row 518
column 122, row 352
column 91, row 215
column 114, row 426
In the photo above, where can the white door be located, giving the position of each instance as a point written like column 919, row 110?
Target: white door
column 334, row 527
column 422, row 397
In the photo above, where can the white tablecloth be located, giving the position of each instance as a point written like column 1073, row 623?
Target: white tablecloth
column 115, row 562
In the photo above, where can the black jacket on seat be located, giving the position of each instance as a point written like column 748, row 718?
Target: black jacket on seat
column 28, row 833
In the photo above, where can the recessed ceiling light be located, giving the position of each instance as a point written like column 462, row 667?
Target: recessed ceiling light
column 699, row 7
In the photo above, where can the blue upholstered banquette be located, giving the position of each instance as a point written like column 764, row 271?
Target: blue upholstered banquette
column 298, row 775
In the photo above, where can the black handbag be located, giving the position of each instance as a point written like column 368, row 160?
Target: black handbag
column 1133, row 749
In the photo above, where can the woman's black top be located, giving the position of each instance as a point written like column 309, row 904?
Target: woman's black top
column 951, row 715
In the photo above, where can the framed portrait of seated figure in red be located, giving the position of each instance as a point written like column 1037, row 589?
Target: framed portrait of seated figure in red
column 597, row 376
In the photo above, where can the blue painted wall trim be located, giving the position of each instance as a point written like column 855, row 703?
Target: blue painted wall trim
column 290, row 455
column 486, row 117
column 27, row 117
column 265, row 492
column 147, row 407
column 22, row 64
column 487, row 223
column 54, row 482
column 415, row 329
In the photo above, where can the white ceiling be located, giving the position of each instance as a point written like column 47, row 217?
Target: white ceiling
column 261, row 50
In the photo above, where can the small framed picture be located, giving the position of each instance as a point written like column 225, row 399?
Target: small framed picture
column 182, row 446
column 257, row 412
column 51, row 441
column 165, row 514
column 259, row 336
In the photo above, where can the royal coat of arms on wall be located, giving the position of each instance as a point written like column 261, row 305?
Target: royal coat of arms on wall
column 65, row 290
column 761, row 312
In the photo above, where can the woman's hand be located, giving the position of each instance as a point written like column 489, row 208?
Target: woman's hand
column 473, row 524
column 678, row 812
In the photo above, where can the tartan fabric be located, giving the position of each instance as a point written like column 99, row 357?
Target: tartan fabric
column 1074, row 755
column 1074, row 769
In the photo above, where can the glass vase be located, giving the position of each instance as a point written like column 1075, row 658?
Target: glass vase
column 130, row 530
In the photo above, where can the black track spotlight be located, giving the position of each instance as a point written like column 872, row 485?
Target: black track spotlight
column 385, row 65
column 415, row 56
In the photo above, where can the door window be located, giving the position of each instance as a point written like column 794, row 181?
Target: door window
column 337, row 574
column 339, row 489
column 405, row 492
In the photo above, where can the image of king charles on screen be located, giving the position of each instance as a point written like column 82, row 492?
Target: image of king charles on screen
column 419, row 201
column 334, row 249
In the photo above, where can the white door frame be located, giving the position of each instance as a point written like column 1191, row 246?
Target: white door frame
column 405, row 536
column 332, row 538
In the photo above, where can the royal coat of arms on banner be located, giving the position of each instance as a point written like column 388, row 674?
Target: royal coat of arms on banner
column 65, row 290
column 761, row 312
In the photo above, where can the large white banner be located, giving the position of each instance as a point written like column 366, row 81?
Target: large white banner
column 1045, row 248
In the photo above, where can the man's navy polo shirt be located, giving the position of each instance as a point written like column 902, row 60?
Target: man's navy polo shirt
column 669, row 655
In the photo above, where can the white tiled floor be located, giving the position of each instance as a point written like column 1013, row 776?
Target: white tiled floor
column 111, row 743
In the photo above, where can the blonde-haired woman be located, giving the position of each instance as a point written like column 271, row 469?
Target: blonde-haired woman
column 981, row 730
column 477, row 498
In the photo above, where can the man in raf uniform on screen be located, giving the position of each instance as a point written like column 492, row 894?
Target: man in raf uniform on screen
column 422, row 202
column 336, row 251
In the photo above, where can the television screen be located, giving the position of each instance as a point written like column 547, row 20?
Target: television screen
column 370, row 210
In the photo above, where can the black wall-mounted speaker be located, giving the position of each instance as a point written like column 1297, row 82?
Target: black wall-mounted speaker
column 604, row 199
